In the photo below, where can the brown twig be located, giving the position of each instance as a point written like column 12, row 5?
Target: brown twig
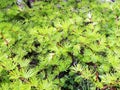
column 5, row 40
column 111, row 88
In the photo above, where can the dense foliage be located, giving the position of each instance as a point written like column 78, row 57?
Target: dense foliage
column 60, row 45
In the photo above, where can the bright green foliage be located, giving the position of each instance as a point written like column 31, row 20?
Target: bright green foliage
column 60, row 45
